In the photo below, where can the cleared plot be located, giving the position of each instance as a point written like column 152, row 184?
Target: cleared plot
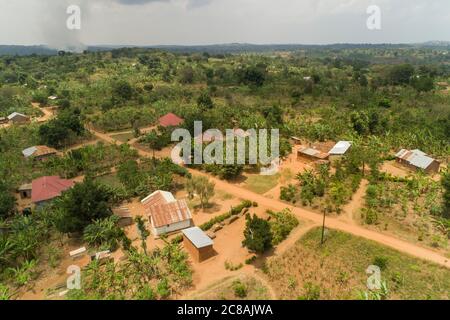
column 337, row 270
column 261, row 184
column 123, row 137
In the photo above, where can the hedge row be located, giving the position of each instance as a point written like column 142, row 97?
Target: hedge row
column 233, row 212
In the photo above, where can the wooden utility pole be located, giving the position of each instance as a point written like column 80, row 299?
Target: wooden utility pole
column 323, row 228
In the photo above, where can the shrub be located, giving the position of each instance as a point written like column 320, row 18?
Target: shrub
column 281, row 225
column 232, row 267
column 240, row 289
column 381, row 262
column 312, row 292
column 370, row 216
column 288, row 193
column 104, row 233
column 250, row 260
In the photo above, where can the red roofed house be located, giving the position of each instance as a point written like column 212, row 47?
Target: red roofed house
column 166, row 214
column 45, row 189
column 170, row 120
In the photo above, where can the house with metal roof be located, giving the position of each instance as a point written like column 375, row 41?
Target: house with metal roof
column 166, row 214
column 17, row 117
column 198, row 244
column 45, row 189
column 39, row 152
column 417, row 160
column 170, row 120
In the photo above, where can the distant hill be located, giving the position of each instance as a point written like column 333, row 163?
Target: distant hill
column 223, row 48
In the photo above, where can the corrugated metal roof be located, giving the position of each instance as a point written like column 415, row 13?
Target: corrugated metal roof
column 28, row 152
column 416, row 158
column 198, row 237
column 169, row 213
column 46, row 188
column 157, row 198
column 38, row 151
column 170, row 120
column 341, row 147
column 15, row 114
column 313, row 153
column 420, row 161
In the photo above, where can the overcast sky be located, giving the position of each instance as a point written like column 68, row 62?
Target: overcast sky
column 153, row 22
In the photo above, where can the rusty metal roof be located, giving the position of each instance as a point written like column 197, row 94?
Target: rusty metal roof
column 313, row 153
column 169, row 213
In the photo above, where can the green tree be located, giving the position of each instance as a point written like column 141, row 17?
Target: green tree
column 204, row 101
column 7, row 201
column 202, row 187
column 143, row 232
column 104, row 233
column 82, row 205
column 401, row 74
column 257, row 233
column 122, row 90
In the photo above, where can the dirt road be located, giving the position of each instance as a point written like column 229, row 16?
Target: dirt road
column 333, row 223
column 48, row 112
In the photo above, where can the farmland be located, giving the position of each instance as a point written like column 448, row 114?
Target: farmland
column 102, row 111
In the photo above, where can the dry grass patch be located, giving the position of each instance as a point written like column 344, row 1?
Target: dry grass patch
column 337, row 270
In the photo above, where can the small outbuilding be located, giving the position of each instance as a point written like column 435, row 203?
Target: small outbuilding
column 339, row 150
column 25, row 191
column 124, row 215
column 418, row 160
column 198, row 244
column 311, row 154
column 39, row 153
column 3, row 120
column 18, row 118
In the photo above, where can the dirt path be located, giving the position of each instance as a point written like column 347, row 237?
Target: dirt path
column 351, row 208
column 333, row 223
column 49, row 112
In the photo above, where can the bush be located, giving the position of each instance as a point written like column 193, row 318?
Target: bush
column 104, row 233
column 232, row 267
column 281, row 225
column 381, row 262
column 240, row 289
column 250, row 260
column 288, row 193
column 369, row 216
column 312, row 292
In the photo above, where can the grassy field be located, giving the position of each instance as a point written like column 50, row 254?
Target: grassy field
column 261, row 184
column 123, row 137
column 337, row 270
column 235, row 288
column 110, row 179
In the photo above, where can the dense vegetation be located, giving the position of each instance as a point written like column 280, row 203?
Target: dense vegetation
column 382, row 98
